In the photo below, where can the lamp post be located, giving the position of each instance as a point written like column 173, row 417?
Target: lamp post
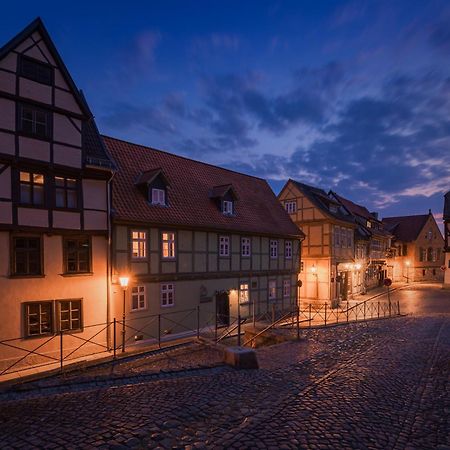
column 408, row 263
column 123, row 280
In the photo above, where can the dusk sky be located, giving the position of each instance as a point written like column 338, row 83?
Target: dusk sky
column 350, row 96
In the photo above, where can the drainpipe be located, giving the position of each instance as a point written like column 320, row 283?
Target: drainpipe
column 108, row 262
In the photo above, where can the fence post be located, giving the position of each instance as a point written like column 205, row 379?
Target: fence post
column 114, row 337
column 61, row 354
column 310, row 315
column 398, row 306
column 159, row 330
column 273, row 312
column 215, row 327
column 347, row 313
column 239, row 330
column 326, row 314
column 364, row 310
column 198, row 321
column 298, row 322
column 378, row 308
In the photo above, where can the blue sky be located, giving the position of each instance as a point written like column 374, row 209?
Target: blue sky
column 351, row 96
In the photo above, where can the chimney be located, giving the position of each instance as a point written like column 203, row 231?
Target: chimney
column 429, row 211
column 374, row 214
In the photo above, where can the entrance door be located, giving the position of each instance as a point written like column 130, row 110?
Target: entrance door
column 344, row 285
column 223, row 309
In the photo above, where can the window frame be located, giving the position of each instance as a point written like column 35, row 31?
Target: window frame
column 58, row 304
column 78, row 239
column 138, row 294
column 159, row 192
column 47, row 136
column 287, row 284
column 273, row 249
column 288, row 245
column 66, row 189
column 225, row 246
column 290, row 206
column 167, row 291
column 272, row 285
column 171, row 245
column 26, row 318
column 38, row 64
column 244, row 293
column 31, row 184
column 13, row 261
column 247, row 246
column 227, row 207
column 138, row 239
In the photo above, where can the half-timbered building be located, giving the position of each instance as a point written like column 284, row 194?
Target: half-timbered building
column 446, row 217
column 54, row 173
column 190, row 236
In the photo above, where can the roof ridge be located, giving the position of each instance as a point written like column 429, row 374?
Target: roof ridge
column 185, row 158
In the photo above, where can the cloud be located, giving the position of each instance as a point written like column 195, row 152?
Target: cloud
column 439, row 36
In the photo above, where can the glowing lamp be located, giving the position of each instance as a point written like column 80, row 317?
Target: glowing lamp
column 313, row 269
column 123, row 280
column 408, row 263
column 357, row 266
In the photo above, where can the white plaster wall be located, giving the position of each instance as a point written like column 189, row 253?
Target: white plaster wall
column 46, row 52
column 8, row 82
column 94, row 194
column 34, row 148
column 65, row 100
column 5, row 213
column 64, row 131
column 95, row 220
column 7, row 114
column 67, row 156
column 5, row 182
column 36, row 91
column 24, row 45
column 66, row 219
column 59, row 80
column 9, row 62
column 7, row 143
column 32, row 217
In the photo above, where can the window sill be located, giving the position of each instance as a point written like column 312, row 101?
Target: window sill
column 26, row 276
column 134, row 311
column 77, row 274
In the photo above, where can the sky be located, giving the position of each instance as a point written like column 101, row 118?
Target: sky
column 352, row 96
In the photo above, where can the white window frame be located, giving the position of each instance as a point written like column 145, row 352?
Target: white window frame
column 141, row 244
column 168, row 245
column 158, row 196
column 246, row 249
column 138, row 294
column 273, row 249
column 290, row 206
column 224, row 246
column 272, row 289
column 167, row 295
column 286, row 288
column 244, row 292
column 74, row 306
column 227, row 207
column 288, row 249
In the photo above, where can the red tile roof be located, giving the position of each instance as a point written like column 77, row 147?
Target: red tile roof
column 257, row 209
column 406, row 228
column 354, row 208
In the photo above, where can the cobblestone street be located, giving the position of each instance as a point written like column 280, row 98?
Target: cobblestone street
column 381, row 384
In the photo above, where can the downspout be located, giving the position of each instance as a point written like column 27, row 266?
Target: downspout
column 108, row 263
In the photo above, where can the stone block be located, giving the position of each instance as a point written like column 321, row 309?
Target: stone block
column 241, row 358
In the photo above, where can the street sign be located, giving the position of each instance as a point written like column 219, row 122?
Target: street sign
column 299, row 283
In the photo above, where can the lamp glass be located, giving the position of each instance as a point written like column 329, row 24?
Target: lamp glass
column 123, row 280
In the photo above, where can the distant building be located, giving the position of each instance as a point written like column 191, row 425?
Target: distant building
column 446, row 217
column 192, row 235
column 419, row 248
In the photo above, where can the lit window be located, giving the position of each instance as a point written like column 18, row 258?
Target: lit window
column 69, row 315
column 369, row 224
column 273, row 249
column 286, row 288
column 227, row 207
column 158, row 197
column 167, row 295
column 224, row 246
column 245, row 246
column 168, row 245
column 138, row 244
column 66, row 191
column 32, row 188
column 272, row 290
column 290, row 207
column 137, row 298
column 288, row 249
column 243, row 293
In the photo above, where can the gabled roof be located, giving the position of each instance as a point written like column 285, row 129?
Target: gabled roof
column 354, row 208
column 257, row 210
column 38, row 25
column 221, row 191
column 322, row 201
column 406, row 228
column 447, row 206
column 148, row 176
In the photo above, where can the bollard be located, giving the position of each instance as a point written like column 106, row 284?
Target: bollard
column 114, row 338
column 61, row 357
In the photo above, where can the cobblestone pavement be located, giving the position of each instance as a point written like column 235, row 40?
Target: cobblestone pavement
column 381, row 385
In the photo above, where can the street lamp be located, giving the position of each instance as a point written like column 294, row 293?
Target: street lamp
column 123, row 280
column 408, row 263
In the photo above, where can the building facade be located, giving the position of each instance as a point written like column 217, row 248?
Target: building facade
column 446, row 217
column 199, row 243
column 54, row 176
column 419, row 248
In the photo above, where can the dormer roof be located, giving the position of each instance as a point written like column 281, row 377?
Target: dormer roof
column 222, row 191
column 149, row 176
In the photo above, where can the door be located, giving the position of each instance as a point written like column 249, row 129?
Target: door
column 223, row 309
column 344, row 285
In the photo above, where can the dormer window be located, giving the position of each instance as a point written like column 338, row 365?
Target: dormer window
column 333, row 209
column 227, row 207
column 369, row 224
column 158, row 196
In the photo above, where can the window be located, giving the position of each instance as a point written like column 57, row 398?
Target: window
column 167, row 295
column 286, row 288
column 422, row 254
column 272, row 290
column 32, row 188
column 227, row 207
column 224, row 246
column 38, row 318
column 66, row 192
column 77, row 255
column 245, row 247
column 69, row 315
column 434, row 271
column 26, row 256
column 290, row 207
column 168, row 245
column 288, row 249
column 429, row 235
column 36, row 70
column 430, row 254
column 158, row 196
column 139, row 244
column 405, row 250
column 423, row 272
column 333, row 209
column 273, row 249
column 244, row 293
column 138, row 298
column 35, row 121
column 369, row 224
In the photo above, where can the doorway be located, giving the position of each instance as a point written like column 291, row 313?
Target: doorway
column 223, row 309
